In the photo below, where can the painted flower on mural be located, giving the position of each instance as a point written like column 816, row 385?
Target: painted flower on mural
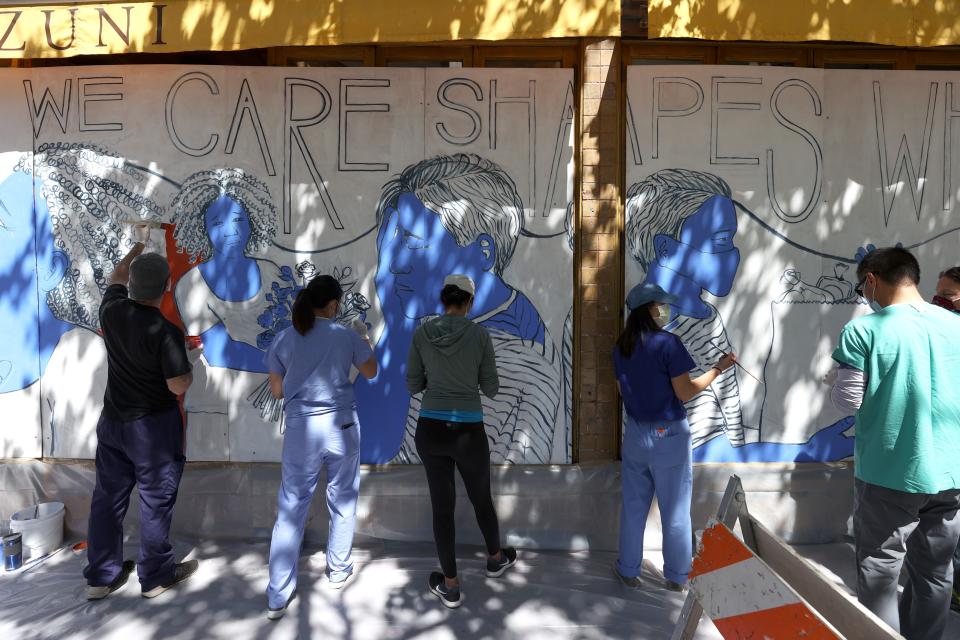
column 277, row 316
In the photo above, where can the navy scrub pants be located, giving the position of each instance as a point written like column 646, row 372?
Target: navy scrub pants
column 147, row 453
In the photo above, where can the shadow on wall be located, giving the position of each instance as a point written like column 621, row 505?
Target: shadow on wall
column 932, row 22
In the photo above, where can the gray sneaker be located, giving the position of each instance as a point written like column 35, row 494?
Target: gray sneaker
column 99, row 593
column 181, row 572
column 633, row 583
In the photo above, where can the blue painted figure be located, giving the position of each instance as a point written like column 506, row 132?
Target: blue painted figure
column 681, row 226
column 30, row 265
column 459, row 214
column 223, row 218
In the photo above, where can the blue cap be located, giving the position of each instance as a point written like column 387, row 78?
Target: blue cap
column 648, row 292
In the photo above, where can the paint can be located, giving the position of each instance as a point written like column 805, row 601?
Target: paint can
column 12, row 551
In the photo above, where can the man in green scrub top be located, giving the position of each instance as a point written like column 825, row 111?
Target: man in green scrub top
column 899, row 372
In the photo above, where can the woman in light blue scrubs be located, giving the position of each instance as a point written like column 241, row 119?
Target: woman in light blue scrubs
column 653, row 375
column 310, row 366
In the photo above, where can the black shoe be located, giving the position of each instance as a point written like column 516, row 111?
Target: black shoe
column 675, row 586
column 181, row 572
column 99, row 593
column 451, row 598
column 276, row 614
column 496, row 568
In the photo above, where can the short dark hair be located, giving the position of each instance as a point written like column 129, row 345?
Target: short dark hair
column 893, row 265
column 454, row 296
column 953, row 273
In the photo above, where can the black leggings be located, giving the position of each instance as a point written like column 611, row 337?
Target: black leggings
column 441, row 446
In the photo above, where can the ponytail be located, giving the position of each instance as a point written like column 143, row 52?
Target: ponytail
column 639, row 322
column 316, row 295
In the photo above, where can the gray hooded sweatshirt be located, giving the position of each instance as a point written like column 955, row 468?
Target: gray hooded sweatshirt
column 452, row 359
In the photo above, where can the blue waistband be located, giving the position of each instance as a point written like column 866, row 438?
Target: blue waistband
column 453, row 416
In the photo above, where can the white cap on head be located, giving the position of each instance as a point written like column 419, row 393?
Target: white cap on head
column 460, row 281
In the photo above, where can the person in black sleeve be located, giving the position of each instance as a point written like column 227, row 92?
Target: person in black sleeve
column 140, row 437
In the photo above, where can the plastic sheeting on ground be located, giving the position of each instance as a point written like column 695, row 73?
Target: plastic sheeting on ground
column 572, row 507
column 547, row 595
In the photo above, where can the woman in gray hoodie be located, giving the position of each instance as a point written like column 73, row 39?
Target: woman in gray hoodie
column 451, row 360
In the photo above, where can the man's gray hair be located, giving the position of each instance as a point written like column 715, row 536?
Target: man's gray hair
column 472, row 196
column 661, row 202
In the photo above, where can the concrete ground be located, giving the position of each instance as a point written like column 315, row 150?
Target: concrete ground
column 547, row 595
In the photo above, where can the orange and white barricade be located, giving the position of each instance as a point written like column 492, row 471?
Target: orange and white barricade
column 745, row 598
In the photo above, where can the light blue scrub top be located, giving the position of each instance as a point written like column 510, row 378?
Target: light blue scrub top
column 316, row 370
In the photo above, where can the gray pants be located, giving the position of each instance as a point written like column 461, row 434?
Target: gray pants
column 889, row 525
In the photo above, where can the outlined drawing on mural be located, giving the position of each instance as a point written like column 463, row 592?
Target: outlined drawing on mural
column 681, row 226
column 459, row 214
column 256, row 180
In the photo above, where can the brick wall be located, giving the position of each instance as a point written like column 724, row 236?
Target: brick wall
column 598, row 250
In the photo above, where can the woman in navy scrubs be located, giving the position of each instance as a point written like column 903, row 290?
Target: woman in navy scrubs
column 653, row 374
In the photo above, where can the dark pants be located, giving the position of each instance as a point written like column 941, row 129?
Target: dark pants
column 920, row 531
column 149, row 453
column 443, row 446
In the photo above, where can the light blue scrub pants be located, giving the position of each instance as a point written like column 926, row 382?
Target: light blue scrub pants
column 656, row 463
column 309, row 444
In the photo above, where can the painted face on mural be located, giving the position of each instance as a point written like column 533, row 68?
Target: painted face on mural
column 228, row 226
column 704, row 252
column 26, row 270
column 416, row 252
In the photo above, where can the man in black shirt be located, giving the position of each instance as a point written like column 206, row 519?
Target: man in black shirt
column 140, row 437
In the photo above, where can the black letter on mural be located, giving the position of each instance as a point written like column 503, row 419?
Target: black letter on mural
column 716, row 107
column 951, row 111
column 294, row 126
column 562, row 143
column 916, row 176
column 124, row 35
column 172, row 98
column 6, row 34
column 60, row 111
column 85, row 96
column 530, row 101
column 660, row 112
column 462, row 108
column 634, row 137
column 73, row 30
column 159, row 10
column 811, row 140
column 344, row 163
column 247, row 105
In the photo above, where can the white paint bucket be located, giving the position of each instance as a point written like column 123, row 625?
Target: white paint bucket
column 41, row 526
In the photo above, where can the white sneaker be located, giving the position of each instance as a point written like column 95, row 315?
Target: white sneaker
column 336, row 586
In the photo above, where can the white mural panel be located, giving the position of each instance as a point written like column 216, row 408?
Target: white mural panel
column 752, row 192
column 262, row 178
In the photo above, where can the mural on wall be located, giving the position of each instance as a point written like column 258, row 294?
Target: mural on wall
column 386, row 179
column 751, row 199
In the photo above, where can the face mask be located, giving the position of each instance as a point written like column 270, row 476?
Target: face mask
column 946, row 303
column 874, row 305
column 663, row 314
